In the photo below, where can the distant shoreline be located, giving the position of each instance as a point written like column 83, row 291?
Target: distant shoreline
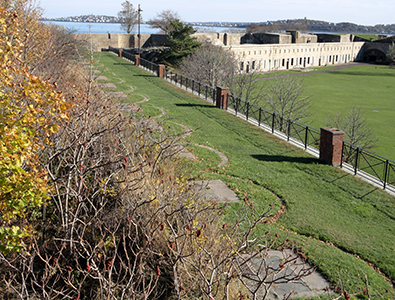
column 63, row 21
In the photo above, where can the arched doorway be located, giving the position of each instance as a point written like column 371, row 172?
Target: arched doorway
column 374, row 55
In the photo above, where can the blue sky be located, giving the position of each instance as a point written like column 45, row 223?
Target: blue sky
column 356, row 11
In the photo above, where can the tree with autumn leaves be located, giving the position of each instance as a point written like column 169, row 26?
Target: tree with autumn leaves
column 93, row 201
column 29, row 109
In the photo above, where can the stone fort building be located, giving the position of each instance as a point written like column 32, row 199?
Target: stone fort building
column 263, row 52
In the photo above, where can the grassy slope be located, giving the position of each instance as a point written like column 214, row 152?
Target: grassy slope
column 322, row 202
column 371, row 87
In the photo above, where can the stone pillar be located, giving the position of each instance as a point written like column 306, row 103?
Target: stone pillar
column 331, row 145
column 222, row 98
column 161, row 71
column 137, row 57
column 120, row 52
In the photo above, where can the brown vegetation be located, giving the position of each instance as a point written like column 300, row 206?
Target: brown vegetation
column 120, row 220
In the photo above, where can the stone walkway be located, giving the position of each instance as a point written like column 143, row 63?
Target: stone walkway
column 215, row 190
column 279, row 283
column 308, row 282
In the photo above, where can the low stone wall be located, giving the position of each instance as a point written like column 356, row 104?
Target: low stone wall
column 122, row 40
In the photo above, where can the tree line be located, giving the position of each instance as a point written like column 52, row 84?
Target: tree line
column 308, row 25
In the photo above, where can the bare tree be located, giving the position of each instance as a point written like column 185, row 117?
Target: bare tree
column 285, row 97
column 216, row 66
column 243, row 84
column 163, row 20
column 356, row 129
column 128, row 16
column 211, row 65
column 391, row 54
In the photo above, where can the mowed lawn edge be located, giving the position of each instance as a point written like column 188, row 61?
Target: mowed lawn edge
column 370, row 87
column 322, row 202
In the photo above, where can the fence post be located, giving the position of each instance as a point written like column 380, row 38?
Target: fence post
column 385, row 174
column 222, row 98
column 288, row 129
column 306, row 136
column 273, row 120
column 137, row 58
column 247, row 111
column 161, row 71
column 356, row 162
column 259, row 117
column 341, row 162
column 331, row 145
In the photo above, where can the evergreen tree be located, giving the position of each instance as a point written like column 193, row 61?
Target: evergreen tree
column 181, row 44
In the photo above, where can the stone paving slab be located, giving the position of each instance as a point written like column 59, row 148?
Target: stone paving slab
column 100, row 78
column 149, row 124
column 118, row 95
column 107, row 86
column 214, row 190
column 182, row 152
column 130, row 107
column 310, row 285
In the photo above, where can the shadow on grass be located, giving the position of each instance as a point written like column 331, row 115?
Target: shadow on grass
column 280, row 158
column 194, row 105
column 378, row 74
column 122, row 64
column 141, row 75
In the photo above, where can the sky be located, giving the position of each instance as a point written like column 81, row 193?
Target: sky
column 362, row 12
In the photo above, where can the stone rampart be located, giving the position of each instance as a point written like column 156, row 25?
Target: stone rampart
column 269, row 57
column 123, row 40
column 262, row 52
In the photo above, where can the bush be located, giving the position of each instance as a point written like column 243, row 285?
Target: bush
column 118, row 218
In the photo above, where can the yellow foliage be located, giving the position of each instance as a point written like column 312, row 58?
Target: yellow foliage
column 26, row 120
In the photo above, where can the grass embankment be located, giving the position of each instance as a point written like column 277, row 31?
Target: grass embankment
column 324, row 205
column 370, row 87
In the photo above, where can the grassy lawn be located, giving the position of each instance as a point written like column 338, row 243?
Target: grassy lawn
column 331, row 216
column 370, row 87
column 368, row 36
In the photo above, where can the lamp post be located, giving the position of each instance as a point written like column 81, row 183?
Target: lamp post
column 139, row 37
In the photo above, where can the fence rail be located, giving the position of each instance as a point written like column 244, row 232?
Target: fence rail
column 361, row 160
column 309, row 136
column 195, row 87
column 370, row 163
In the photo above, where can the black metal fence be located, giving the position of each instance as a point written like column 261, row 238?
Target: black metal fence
column 195, row 87
column 309, row 136
column 128, row 55
column 361, row 160
column 148, row 65
column 364, row 161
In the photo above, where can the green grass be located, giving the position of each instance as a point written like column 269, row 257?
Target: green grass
column 330, row 215
column 370, row 87
column 368, row 36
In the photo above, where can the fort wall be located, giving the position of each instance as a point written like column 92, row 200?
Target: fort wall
column 263, row 52
column 123, row 40
column 264, row 58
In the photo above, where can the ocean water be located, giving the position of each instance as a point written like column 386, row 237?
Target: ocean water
column 81, row 27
